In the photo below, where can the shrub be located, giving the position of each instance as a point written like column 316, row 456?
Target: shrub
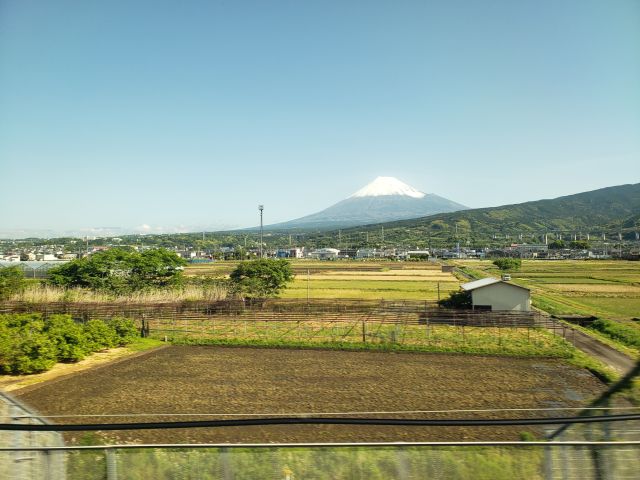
column 34, row 353
column 29, row 344
column 124, row 329
column 68, row 337
column 100, row 335
column 24, row 346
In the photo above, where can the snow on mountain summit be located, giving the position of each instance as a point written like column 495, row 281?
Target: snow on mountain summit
column 383, row 186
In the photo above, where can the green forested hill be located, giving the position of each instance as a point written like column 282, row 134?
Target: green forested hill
column 610, row 209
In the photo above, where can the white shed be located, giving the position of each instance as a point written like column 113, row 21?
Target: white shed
column 495, row 294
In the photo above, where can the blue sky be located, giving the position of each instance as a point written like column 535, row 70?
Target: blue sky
column 189, row 114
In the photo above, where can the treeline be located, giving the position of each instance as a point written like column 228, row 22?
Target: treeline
column 30, row 343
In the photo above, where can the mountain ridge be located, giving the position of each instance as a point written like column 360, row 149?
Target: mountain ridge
column 604, row 207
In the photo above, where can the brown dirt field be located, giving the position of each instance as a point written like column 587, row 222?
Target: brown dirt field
column 183, row 379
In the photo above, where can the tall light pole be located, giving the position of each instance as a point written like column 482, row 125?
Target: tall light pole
column 260, row 208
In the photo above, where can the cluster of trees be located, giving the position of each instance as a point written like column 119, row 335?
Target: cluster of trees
column 121, row 271
column 30, row 343
column 508, row 263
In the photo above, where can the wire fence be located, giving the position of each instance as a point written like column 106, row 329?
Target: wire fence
column 408, row 323
column 444, row 460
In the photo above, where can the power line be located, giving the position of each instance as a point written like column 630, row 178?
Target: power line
column 311, row 414
column 245, row 422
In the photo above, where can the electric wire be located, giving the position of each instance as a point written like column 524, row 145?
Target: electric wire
column 310, row 414
column 318, row 421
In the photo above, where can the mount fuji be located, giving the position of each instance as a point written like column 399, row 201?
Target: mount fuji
column 383, row 200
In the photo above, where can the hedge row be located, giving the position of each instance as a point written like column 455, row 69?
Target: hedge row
column 31, row 344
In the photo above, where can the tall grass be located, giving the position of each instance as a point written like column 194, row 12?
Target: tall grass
column 48, row 294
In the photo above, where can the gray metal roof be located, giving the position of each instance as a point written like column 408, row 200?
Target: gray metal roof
column 485, row 282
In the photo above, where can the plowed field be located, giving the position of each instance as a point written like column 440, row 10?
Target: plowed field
column 214, row 380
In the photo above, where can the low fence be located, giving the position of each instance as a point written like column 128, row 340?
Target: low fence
column 402, row 312
column 319, row 321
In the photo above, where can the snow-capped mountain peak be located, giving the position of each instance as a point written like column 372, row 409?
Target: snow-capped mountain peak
column 383, row 186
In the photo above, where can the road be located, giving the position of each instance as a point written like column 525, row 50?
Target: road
column 593, row 347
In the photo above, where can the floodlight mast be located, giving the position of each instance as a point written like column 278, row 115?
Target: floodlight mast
column 260, row 208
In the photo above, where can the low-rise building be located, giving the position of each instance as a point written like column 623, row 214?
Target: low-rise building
column 325, row 253
column 496, row 294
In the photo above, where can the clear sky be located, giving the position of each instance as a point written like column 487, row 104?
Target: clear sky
column 125, row 113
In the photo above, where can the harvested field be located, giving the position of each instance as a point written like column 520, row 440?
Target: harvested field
column 584, row 288
column 212, row 380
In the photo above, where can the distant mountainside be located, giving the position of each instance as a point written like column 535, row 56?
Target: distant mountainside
column 385, row 199
column 608, row 209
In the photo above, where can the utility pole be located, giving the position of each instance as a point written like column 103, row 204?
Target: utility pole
column 260, row 208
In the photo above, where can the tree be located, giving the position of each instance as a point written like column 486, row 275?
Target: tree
column 260, row 278
column 121, row 271
column 11, row 281
column 459, row 299
column 508, row 263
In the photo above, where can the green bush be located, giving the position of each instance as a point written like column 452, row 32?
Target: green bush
column 24, row 346
column 29, row 344
column 68, row 337
column 125, row 330
column 100, row 335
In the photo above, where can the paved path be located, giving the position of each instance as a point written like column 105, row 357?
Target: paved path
column 595, row 348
